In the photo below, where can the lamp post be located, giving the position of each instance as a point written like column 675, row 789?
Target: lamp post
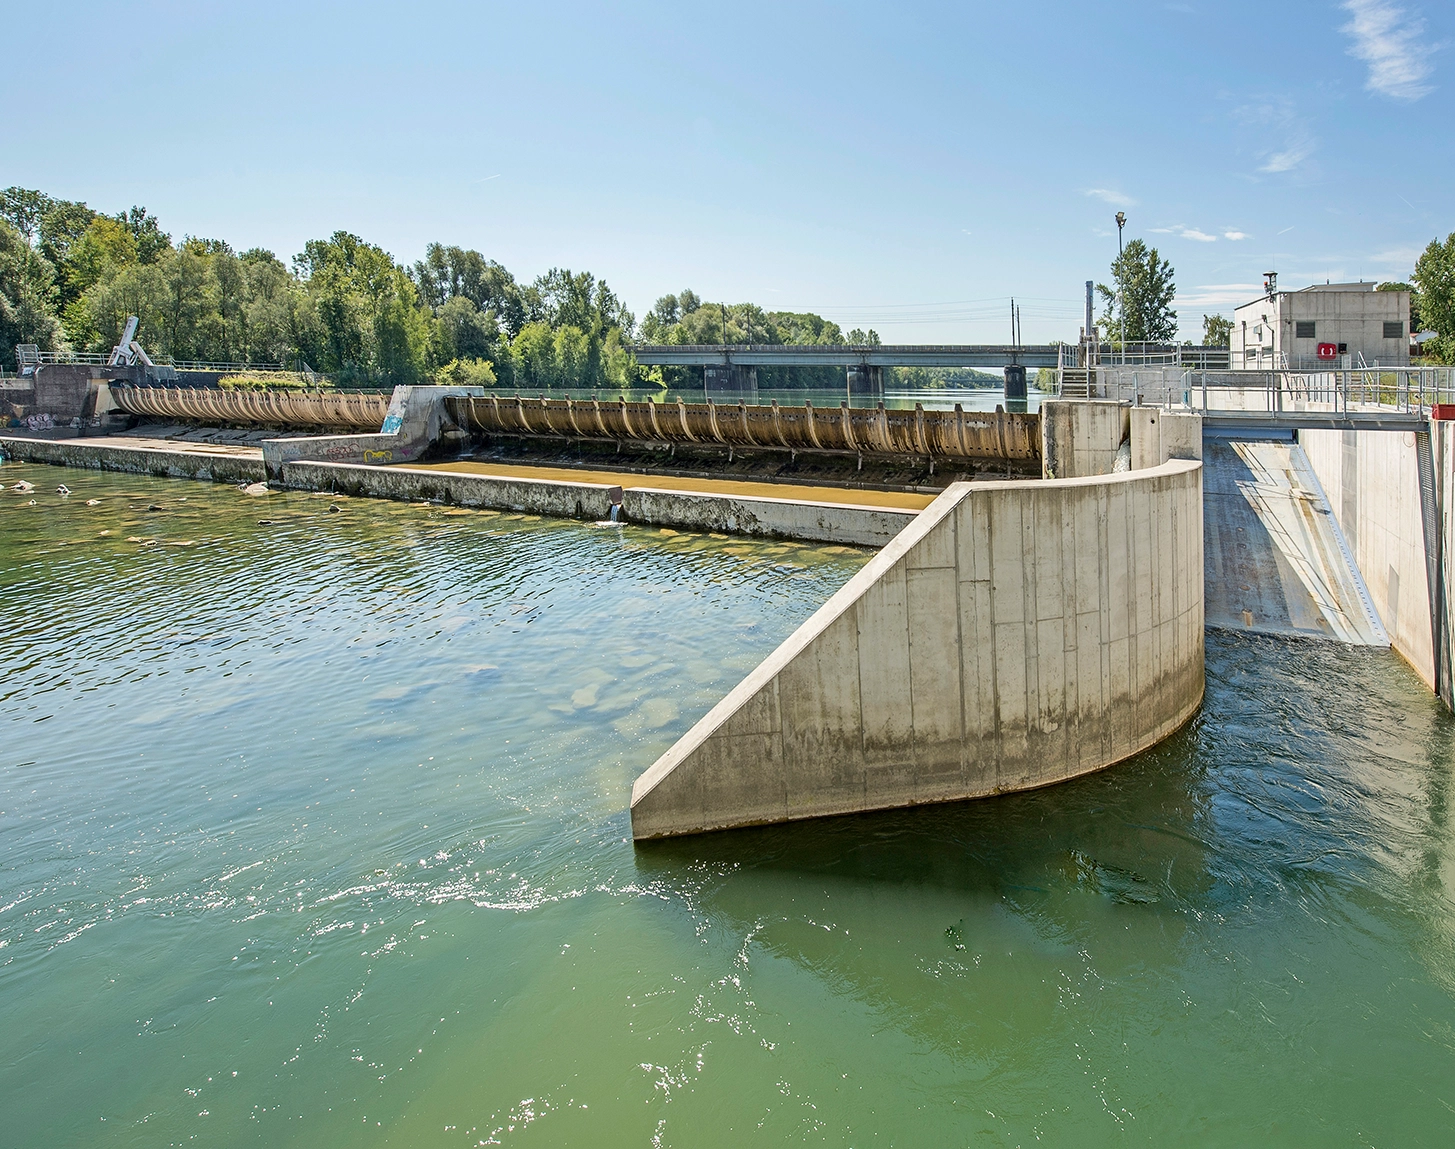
column 1121, row 290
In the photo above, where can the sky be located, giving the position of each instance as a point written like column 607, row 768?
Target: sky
column 908, row 167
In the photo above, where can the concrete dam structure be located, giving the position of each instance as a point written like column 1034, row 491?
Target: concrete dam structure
column 1010, row 635
column 1015, row 635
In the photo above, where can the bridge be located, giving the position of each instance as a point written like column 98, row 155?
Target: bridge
column 734, row 367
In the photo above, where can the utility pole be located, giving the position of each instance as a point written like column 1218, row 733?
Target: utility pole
column 1121, row 288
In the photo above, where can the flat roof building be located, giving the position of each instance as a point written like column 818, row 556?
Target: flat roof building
column 1318, row 326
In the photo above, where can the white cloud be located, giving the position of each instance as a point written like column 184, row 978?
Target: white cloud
column 1388, row 41
column 1185, row 233
column 1289, row 158
column 1107, row 195
column 1219, row 295
column 1279, row 122
column 1235, row 235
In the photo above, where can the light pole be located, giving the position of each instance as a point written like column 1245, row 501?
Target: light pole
column 1121, row 289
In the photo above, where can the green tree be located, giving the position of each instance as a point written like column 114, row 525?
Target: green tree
column 448, row 273
column 1217, row 331
column 1144, row 287
column 1434, row 281
column 27, row 296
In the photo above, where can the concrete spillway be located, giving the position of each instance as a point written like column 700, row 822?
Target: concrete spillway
column 1276, row 560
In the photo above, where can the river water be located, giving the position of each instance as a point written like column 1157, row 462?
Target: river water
column 313, row 831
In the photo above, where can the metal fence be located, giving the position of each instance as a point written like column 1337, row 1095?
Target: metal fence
column 1411, row 389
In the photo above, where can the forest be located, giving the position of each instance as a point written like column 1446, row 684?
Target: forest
column 346, row 309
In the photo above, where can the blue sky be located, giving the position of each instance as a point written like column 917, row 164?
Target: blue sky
column 907, row 167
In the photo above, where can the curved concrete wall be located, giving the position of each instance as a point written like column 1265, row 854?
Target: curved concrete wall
column 1016, row 635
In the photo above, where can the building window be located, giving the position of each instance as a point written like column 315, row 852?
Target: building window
column 1393, row 330
column 1304, row 329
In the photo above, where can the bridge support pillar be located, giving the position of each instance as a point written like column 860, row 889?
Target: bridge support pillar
column 730, row 379
column 1015, row 381
column 865, row 380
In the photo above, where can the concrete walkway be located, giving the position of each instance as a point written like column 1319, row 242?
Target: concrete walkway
column 631, row 480
column 1275, row 560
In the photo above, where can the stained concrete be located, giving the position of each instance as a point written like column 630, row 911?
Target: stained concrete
column 1016, row 635
column 1276, row 563
column 1372, row 482
column 829, row 522
column 222, row 463
column 1081, row 437
column 717, row 485
column 412, row 430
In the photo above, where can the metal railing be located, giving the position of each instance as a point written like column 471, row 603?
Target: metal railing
column 1407, row 389
column 96, row 359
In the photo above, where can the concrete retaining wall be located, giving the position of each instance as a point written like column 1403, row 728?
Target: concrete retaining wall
column 1080, row 437
column 731, row 514
column 1016, row 635
column 413, row 427
column 179, row 461
column 1371, row 479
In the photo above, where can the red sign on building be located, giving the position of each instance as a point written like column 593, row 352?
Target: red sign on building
column 1328, row 350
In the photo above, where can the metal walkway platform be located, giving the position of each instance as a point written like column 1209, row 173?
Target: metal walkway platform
column 1254, row 421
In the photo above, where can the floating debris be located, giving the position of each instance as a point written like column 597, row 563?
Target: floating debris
column 23, row 487
column 93, row 502
column 155, row 507
column 256, row 489
column 334, row 509
column 63, row 490
column 266, row 522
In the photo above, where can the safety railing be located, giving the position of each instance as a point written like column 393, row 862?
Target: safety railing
column 858, row 430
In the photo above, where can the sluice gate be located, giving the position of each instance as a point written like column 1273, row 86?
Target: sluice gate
column 956, row 434
column 354, row 410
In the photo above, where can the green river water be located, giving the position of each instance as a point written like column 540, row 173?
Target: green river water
column 314, row 832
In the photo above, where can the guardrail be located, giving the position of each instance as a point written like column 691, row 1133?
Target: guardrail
column 354, row 410
column 97, row 359
column 853, row 430
column 1407, row 389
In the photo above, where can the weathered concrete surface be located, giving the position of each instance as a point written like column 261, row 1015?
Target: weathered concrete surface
column 412, row 429
column 590, row 501
column 1016, row 635
column 1080, row 437
column 731, row 514
column 1372, row 482
column 847, row 523
column 1159, row 434
column 1276, row 561
column 207, row 461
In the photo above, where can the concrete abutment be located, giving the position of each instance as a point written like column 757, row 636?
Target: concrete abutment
column 1016, row 635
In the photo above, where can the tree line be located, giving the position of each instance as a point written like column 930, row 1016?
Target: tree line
column 70, row 276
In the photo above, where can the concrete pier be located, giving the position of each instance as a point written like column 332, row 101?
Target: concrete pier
column 1016, row 635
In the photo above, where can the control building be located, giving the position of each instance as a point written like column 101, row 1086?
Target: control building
column 1323, row 326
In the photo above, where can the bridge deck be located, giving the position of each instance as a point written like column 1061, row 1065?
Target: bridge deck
column 814, row 355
